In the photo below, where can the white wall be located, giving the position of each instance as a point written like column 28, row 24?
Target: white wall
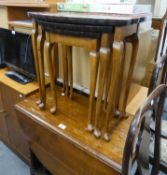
column 3, row 17
column 160, row 8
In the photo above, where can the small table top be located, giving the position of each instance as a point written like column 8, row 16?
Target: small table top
column 90, row 18
column 84, row 24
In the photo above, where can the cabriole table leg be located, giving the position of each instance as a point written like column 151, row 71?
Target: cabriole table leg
column 94, row 59
column 40, row 45
column 47, row 55
column 104, row 61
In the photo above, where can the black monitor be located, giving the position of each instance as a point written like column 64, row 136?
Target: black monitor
column 16, row 51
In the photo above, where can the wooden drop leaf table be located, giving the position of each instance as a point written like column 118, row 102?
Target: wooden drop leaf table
column 62, row 143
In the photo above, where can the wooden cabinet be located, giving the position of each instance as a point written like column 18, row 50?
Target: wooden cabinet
column 10, row 128
column 3, row 124
column 14, row 10
column 11, row 93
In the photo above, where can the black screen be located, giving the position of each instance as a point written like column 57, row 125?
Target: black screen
column 16, row 50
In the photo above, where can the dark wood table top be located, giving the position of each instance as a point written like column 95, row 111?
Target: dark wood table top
column 99, row 19
column 90, row 25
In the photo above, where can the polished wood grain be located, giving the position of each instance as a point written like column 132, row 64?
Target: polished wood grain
column 73, row 148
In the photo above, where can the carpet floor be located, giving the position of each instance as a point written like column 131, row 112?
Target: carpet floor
column 10, row 164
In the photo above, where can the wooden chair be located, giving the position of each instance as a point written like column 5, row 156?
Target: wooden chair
column 163, row 150
column 143, row 117
column 159, row 76
column 162, row 37
column 160, row 50
column 136, row 151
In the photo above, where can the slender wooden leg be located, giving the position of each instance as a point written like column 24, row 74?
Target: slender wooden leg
column 70, row 69
column 104, row 59
column 34, row 46
column 64, row 63
column 40, row 44
column 120, row 79
column 55, row 60
column 47, row 51
column 94, row 58
column 107, row 85
column 114, row 86
column 133, row 39
column 66, row 72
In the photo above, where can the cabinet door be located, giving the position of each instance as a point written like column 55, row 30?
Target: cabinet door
column 16, row 137
column 3, row 124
